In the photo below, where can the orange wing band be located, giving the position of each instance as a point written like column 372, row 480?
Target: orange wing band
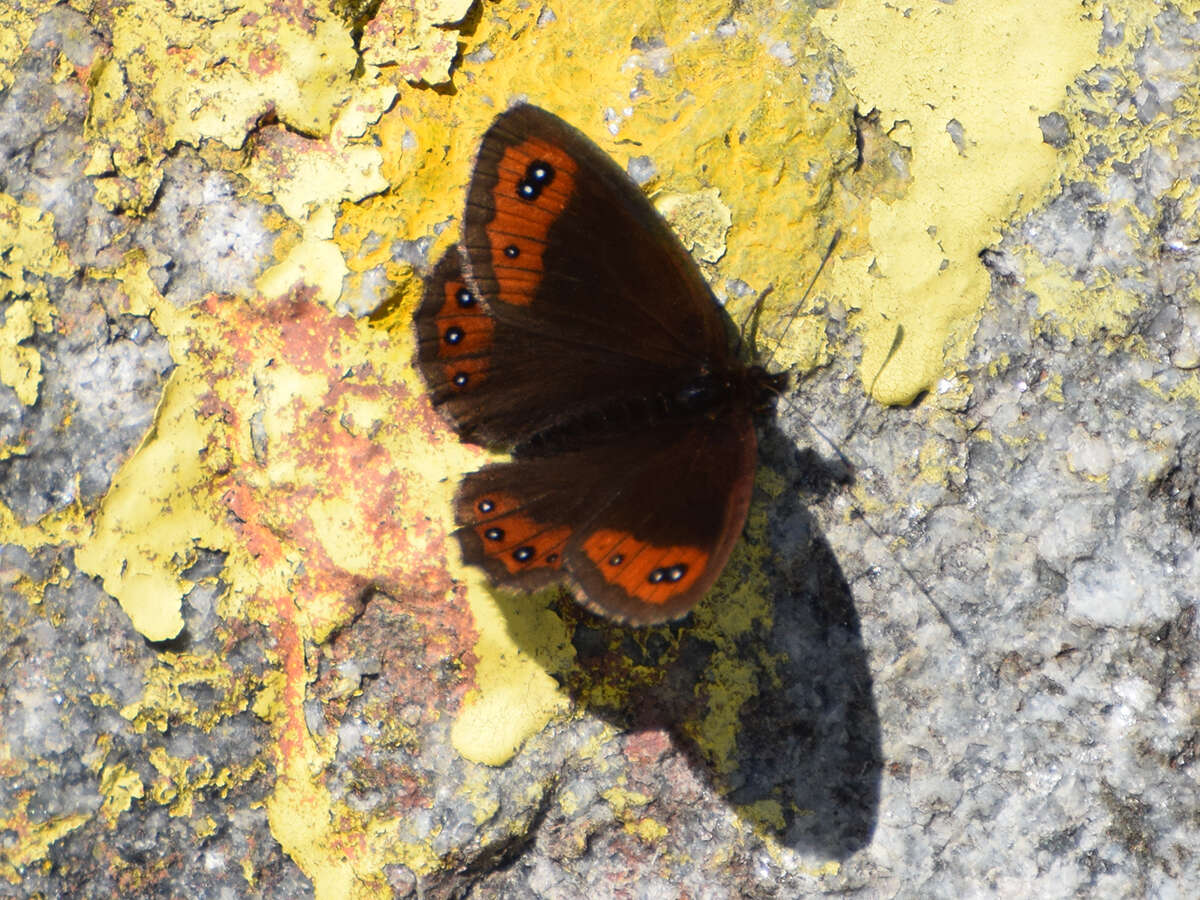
column 652, row 574
column 519, row 542
column 517, row 232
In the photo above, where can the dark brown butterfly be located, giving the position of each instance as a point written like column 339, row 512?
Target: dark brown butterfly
column 571, row 328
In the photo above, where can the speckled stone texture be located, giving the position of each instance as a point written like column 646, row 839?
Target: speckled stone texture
column 984, row 684
column 79, row 711
column 60, row 656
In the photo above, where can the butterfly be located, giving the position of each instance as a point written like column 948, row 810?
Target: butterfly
column 571, row 328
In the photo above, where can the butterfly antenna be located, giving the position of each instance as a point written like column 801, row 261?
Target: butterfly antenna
column 833, row 242
column 858, row 514
column 897, row 340
column 756, row 314
column 942, row 614
column 752, row 321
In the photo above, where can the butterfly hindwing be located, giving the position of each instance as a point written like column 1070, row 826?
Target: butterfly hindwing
column 640, row 530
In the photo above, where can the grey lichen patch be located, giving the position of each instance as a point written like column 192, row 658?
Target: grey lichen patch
column 100, row 386
column 77, row 768
column 205, row 233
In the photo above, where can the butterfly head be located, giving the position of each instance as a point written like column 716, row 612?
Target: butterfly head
column 765, row 388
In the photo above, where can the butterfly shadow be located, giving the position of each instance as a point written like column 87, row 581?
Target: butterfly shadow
column 806, row 760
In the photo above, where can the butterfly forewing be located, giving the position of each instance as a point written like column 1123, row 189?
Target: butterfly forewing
column 455, row 336
column 597, row 298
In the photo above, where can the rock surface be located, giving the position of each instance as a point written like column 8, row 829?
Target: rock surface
column 976, row 670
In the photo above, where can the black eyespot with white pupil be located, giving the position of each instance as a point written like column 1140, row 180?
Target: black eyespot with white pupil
column 523, row 554
column 616, row 559
column 460, row 379
column 486, row 506
column 512, row 251
column 538, row 174
column 454, row 334
column 494, row 534
column 667, row 573
column 464, row 298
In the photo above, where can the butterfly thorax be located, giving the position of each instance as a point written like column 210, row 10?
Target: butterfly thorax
column 704, row 396
column 710, row 394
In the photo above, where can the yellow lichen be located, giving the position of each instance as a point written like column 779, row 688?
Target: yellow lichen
column 516, row 696
column 20, row 367
column 31, row 255
column 17, row 23
column 154, row 518
column 971, row 86
column 120, row 786
column 412, row 37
